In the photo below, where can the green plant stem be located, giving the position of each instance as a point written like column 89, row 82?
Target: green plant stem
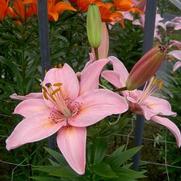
column 96, row 53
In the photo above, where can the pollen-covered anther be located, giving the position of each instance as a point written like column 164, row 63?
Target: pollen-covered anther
column 58, row 84
column 49, row 90
column 48, row 85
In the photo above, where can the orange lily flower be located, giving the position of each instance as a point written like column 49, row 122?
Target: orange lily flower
column 55, row 8
column 108, row 13
column 3, row 9
column 126, row 5
column 83, row 4
column 123, row 5
column 21, row 10
column 107, row 10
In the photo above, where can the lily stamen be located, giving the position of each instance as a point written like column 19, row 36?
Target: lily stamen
column 150, row 88
column 55, row 96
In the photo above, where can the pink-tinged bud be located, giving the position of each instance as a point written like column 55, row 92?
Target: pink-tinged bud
column 104, row 46
column 146, row 67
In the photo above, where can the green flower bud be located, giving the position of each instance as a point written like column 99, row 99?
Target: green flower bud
column 94, row 26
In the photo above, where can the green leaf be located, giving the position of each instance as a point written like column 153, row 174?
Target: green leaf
column 57, row 171
column 118, row 151
column 39, row 178
column 119, row 157
column 63, row 172
column 130, row 174
column 104, row 170
column 100, row 148
column 57, row 156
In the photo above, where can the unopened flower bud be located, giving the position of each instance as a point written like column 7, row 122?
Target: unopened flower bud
column 94, row 26
column 146, row 67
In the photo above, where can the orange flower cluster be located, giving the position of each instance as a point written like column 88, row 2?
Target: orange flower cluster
column 110, row 11
column 20, row 10
column 4, row 9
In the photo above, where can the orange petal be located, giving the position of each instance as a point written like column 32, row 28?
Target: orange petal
column 123, row 5
column 62, row 6
column 53, row 15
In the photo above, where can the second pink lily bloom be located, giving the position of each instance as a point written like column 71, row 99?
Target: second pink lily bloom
column 142, row 102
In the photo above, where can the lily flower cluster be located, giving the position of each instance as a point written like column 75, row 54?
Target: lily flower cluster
column 70, row 102
column 21, row 10
column 112, row 12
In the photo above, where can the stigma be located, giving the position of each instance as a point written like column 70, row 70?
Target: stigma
column 150, row 88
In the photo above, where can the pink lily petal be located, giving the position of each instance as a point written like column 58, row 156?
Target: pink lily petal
column 152, row 106
column 112, row 77
column 89, row 79
column 128, row 16
column 96, row 105
column 140, row 4
column 178, row 26
column 177, row 65
column 104, row 46
column 176, row 54
column 28, row 96
column 175, row 43
column 32, row 129
column 176, row 19
column 31, row 107
column 170, row 125
column 92, row 59
column 137, row 22
column 149, row 106
column 174, row 23
column 160, row 105
column 72, row 143
column 66, row 76
column 119, row 68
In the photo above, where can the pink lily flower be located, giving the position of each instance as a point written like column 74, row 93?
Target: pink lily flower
column 176, row 54
column 175, row 43
column 174, row 23
column 142, row 102
column 67, row 107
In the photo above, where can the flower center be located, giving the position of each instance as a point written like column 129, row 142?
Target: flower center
column 54, row 94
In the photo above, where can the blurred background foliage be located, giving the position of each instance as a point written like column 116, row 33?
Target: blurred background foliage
column 20, row 71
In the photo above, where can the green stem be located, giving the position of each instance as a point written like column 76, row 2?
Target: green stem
column 96, row 53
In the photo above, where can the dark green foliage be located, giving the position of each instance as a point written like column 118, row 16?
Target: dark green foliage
column 110, row 167
column 126, row 43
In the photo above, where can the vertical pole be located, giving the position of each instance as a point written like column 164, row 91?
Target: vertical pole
column 149, row 28
column 43, row 35
column 44, row 45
